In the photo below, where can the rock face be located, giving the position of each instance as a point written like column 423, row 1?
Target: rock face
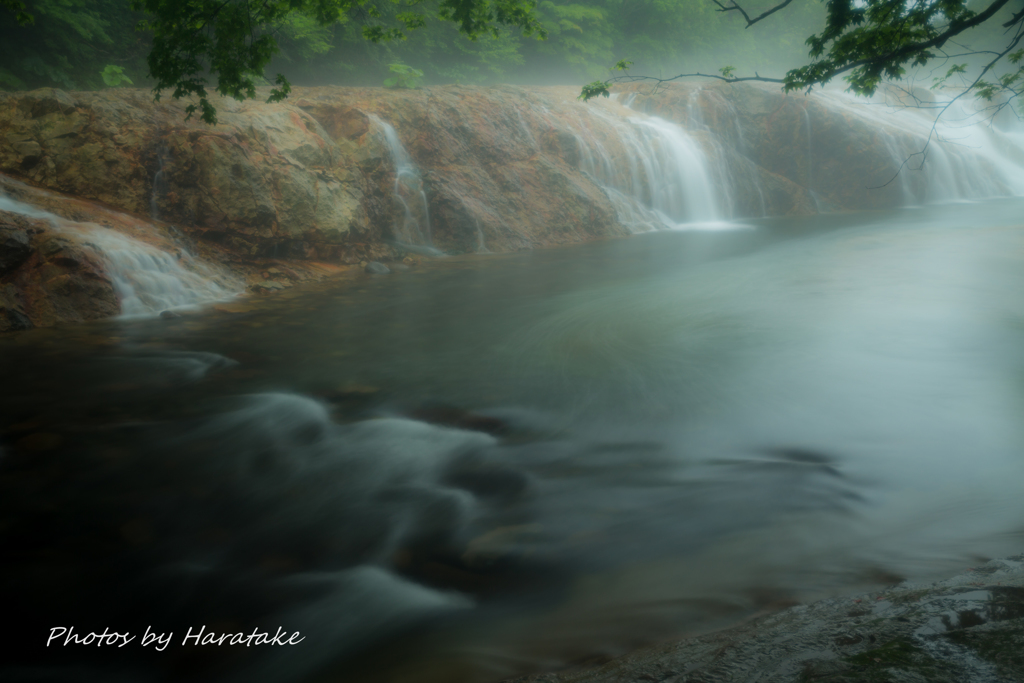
column 793, row 139
column 501, row 168
column 68, row 260
column 827, row 146
column 311, row 178
column 348, row 175
column 47, row 278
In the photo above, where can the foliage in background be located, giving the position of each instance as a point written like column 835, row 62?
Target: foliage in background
column 405, row 77
column 69, row 43
column 18, row 7
column 72, row 41
column 584, row 36
column 114, row 76
column 232, row 42
column 867, row 42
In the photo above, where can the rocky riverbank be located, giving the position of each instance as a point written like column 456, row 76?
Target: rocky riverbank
column 341, row 177
column 966, row 629
column 64, row 259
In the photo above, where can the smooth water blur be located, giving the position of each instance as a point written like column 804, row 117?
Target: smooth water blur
column 496, row 464
column 147, row 280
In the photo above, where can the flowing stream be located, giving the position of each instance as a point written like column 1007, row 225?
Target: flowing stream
column 491, row 465
column 409, row 193
column 147, row 280
column 488, row 466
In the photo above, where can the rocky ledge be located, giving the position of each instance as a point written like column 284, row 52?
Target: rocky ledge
column 967, row 629
column 501, row 168
column 350, row 176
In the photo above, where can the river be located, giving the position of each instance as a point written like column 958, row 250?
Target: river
column 490, row 465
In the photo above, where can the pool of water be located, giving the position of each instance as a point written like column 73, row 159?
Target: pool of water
column 490, row 465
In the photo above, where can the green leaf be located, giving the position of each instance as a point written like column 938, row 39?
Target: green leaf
column 406, row 77
column 594, row 89
column 231, row 42
column 20, row 15
column 114, row 76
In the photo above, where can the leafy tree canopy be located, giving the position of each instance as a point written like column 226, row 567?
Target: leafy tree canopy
column 234, row 40
column 871, row 41
column 189, row 47
column 18, row 7
column 67, row 43
column 73, row 42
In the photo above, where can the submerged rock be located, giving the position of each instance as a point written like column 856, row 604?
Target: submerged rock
column 377, row 268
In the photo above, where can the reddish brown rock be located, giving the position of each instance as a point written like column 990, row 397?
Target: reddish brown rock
column 312, row 178
column 58, row 281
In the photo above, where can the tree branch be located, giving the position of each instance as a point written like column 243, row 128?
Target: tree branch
column 905, row 51
column 1016, row 17
column 932, row 133
column 750, row 22
column 633, row 79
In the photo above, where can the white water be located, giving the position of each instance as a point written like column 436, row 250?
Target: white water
column 969, row 155
column 409, row 191
column 160, row 186
column 664, row 181
column 654, row 172
column 147, row 280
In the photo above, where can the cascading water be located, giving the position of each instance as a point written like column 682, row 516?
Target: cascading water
column 809, row 184
column 160, row 185
column 655, row 174
column 676, row 170
column 632, row 439
column 729, row 171
column 845, row 151
column 147, row 280
column 481, row 242
column 409, row 191
column 967, row 155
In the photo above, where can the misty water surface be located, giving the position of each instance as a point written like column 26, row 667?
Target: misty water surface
column 490, row 465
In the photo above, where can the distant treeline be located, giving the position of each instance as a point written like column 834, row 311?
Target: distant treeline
column 87, row 44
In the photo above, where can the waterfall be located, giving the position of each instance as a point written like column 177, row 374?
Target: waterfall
column 481, row 243
column 730, row 172
column 160, row 186
column 677, row 172
column 408, row 191
column 970, row 156
column 809, row 182
column 147, row 280
column 655, row 174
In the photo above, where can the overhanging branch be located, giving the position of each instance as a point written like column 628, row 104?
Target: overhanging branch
column 733, row 7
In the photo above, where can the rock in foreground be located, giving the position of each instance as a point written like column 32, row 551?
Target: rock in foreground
column 968, row 629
